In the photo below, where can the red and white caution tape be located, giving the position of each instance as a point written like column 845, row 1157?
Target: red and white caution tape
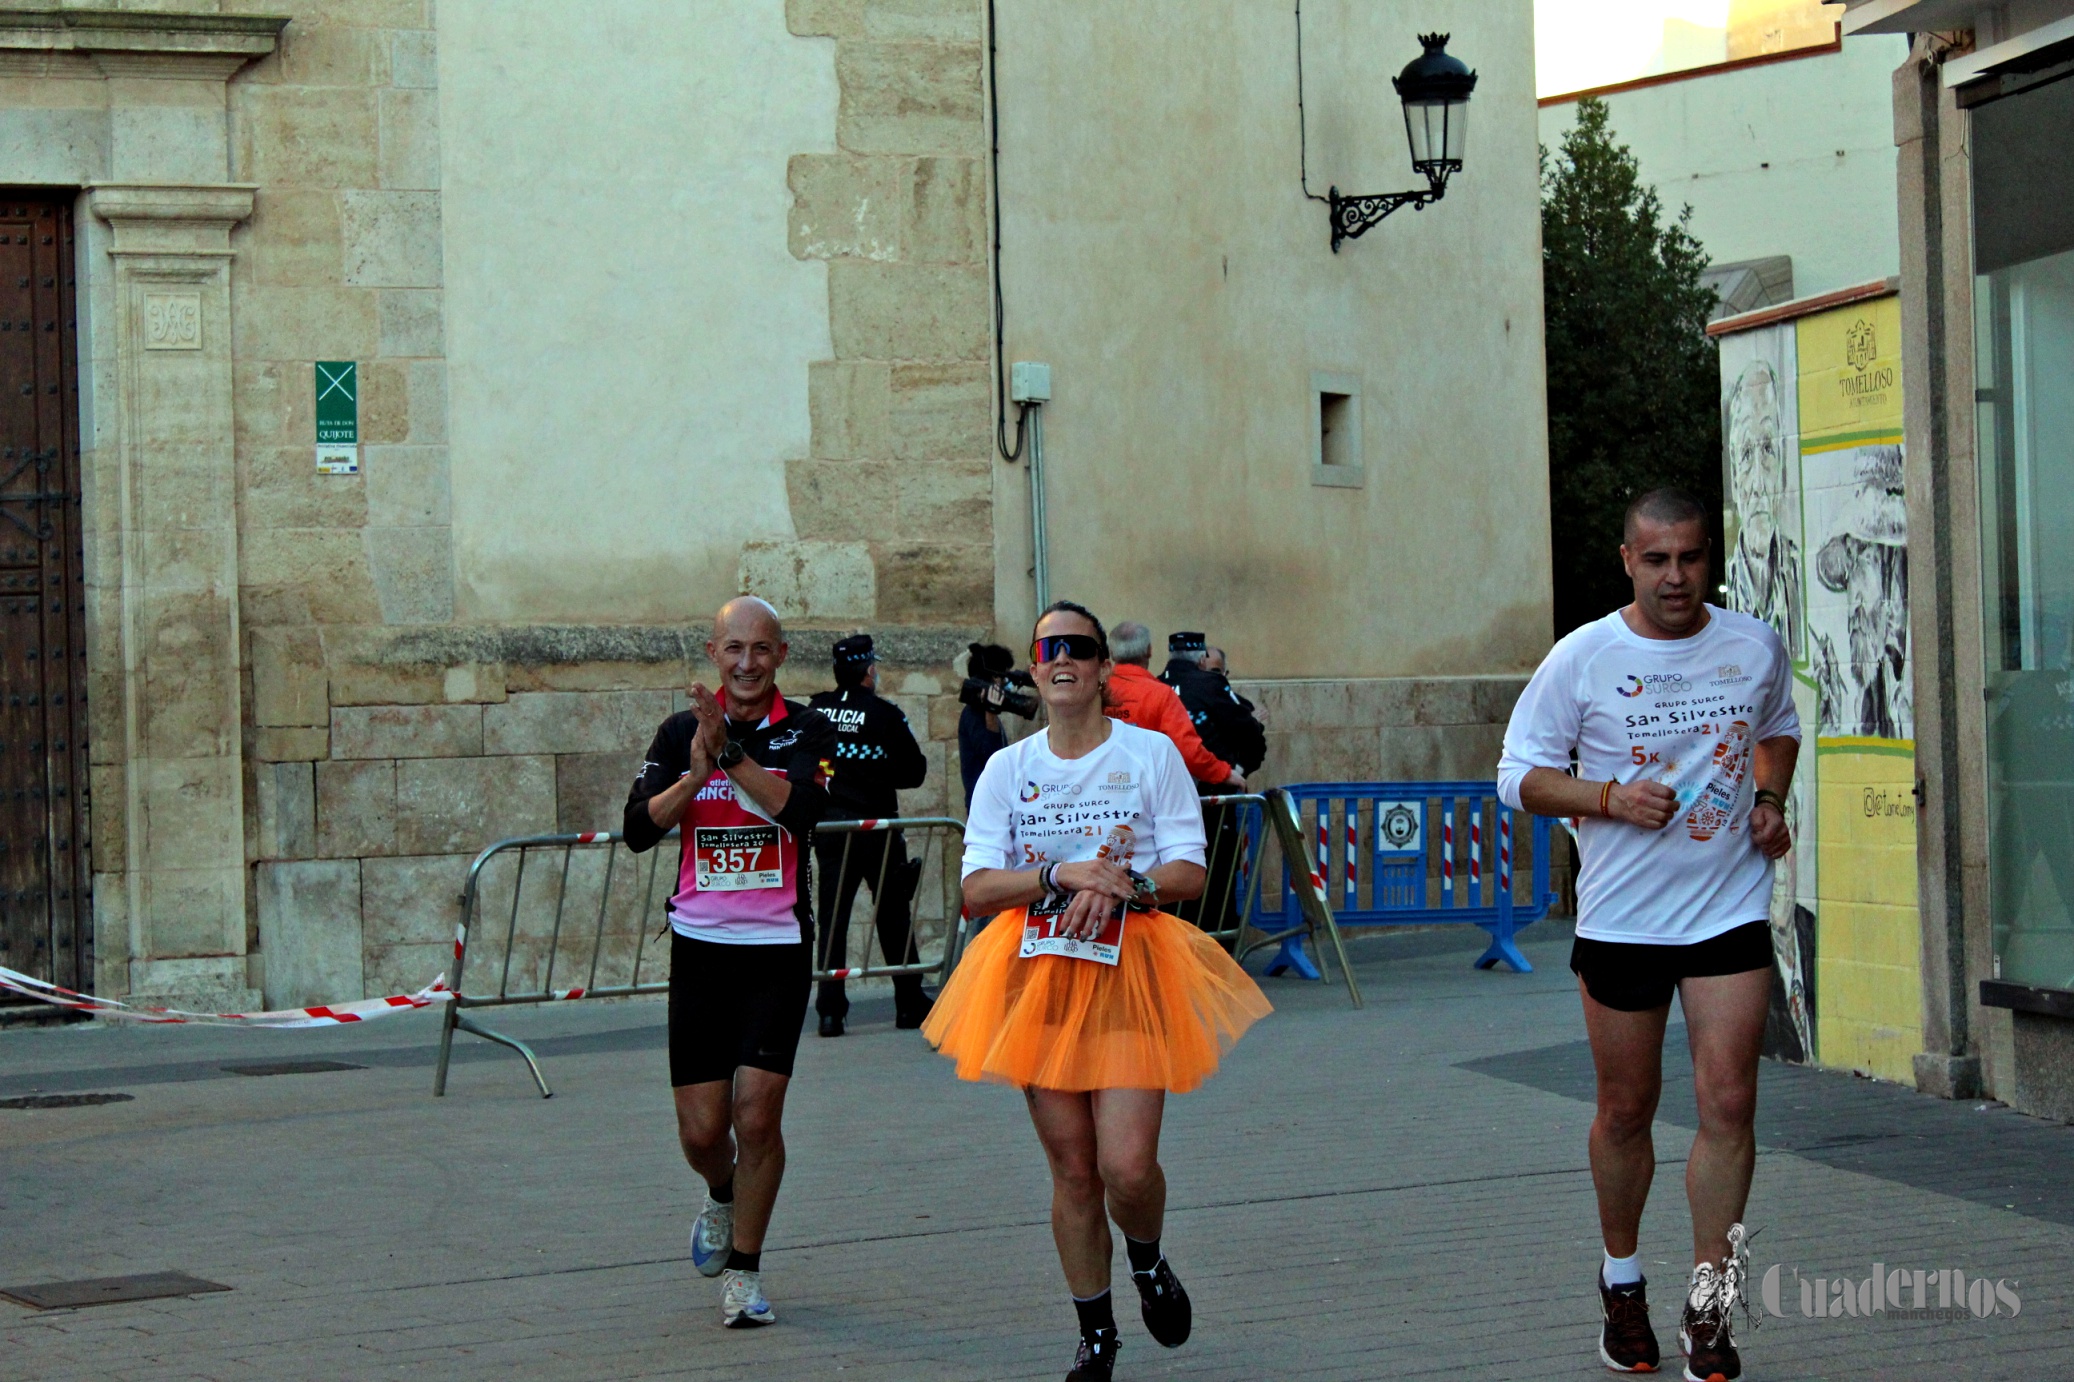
column 364, row 1010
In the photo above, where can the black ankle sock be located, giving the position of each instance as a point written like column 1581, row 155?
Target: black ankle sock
column 723, row 1194
column 739, row 1261
column 1099, row 1313
column 1144, row 1256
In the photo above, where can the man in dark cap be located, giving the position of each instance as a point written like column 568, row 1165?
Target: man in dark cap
column 875, row 758
column 1228, row 728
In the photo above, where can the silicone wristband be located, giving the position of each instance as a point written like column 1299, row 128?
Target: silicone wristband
column 1766, row 796
column 1605, row 795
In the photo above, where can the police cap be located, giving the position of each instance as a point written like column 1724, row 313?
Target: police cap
column 852, row 656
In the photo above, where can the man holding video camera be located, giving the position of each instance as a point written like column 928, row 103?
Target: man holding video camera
column 992, row 686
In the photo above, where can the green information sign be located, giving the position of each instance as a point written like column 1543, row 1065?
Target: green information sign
column 338, row 401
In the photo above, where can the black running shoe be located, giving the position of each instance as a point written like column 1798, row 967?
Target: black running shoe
column 1705, row 1330
column 1627, row 1343
column 1096, row 1359
column 1168, row 1316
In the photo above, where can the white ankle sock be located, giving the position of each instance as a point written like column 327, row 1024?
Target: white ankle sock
column 1622, row 1271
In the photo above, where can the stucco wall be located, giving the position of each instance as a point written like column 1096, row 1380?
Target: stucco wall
column 629, row 335
column 1159, row 253
column 1792, row 158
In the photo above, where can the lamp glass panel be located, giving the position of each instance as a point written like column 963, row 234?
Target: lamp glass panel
column 1455, row 119
column 1425, row 128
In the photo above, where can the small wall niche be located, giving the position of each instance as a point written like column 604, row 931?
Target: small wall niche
column 1336, row 458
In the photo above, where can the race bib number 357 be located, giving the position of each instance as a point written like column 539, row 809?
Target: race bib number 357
column 739, row 858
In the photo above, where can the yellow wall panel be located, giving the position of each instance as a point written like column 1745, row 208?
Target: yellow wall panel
column 1869, row 991
column 1850, row 372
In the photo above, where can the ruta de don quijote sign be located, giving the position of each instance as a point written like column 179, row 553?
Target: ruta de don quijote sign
column 338, row 417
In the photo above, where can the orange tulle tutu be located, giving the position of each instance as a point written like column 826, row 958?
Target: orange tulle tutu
column 1161, row 1018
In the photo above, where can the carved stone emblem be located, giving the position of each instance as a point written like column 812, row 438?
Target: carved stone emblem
column 173, row 321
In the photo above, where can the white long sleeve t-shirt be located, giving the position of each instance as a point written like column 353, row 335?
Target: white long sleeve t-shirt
column 1686, row 712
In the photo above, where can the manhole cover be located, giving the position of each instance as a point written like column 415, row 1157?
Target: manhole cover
column 108, row 1290
column 291, row 1067
column 64, row 1100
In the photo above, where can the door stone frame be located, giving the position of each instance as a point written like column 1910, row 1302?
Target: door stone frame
column 143, row 99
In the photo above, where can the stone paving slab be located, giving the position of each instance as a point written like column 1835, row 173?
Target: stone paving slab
column 1395, row 1192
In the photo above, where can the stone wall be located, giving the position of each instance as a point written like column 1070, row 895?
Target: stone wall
column 342, row 260
column 440, row 742
column 382, row 734
column 893, row 509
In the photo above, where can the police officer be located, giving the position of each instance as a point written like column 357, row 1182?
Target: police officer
column 1228, row 728
column 875, row 756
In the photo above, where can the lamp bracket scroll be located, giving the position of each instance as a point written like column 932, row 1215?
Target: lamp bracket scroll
column 1352, row 216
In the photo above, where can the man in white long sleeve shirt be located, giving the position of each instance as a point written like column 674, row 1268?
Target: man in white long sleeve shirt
column 1681, row 718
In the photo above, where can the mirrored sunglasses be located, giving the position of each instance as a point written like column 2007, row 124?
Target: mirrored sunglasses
column 1079, row 646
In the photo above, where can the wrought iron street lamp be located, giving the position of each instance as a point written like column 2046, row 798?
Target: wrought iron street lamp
column 1435, row 90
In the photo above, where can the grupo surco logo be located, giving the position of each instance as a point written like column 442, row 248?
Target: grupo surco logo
column 1655, row 684
column 1033, row 790
column 1868, row 380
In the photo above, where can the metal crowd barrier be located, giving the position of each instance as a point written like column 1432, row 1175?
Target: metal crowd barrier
column 569, row 907
column 1302, row 909
column 1233, row 860
column 1415, row 854
column 937, row 833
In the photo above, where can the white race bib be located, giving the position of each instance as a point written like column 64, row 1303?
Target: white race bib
column 1041, row 937
column 741, row 858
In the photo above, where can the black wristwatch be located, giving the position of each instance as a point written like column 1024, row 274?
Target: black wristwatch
column 731, row 753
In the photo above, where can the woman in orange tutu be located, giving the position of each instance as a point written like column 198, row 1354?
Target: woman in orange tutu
column 1081, row 990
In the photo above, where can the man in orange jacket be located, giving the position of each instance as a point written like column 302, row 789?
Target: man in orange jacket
column 1137, row 697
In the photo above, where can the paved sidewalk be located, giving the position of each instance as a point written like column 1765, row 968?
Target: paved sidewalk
column 1396, row 1192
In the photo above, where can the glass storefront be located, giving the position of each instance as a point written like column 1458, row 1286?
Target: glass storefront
column 2024, row 377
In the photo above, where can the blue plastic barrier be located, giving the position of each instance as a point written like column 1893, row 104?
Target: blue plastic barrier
column 1413, row 854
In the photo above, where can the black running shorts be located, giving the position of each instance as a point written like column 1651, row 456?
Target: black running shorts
column 1634, row 977
column 735, row 1005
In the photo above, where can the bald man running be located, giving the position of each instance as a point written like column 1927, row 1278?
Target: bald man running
column 740, row 771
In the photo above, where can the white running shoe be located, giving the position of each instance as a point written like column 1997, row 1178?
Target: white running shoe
column 713, row 1237
column 743, row 1304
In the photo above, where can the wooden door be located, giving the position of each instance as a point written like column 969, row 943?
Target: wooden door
column 45, row 917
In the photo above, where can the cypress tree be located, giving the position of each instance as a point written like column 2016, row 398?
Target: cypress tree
column 1633, row 381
